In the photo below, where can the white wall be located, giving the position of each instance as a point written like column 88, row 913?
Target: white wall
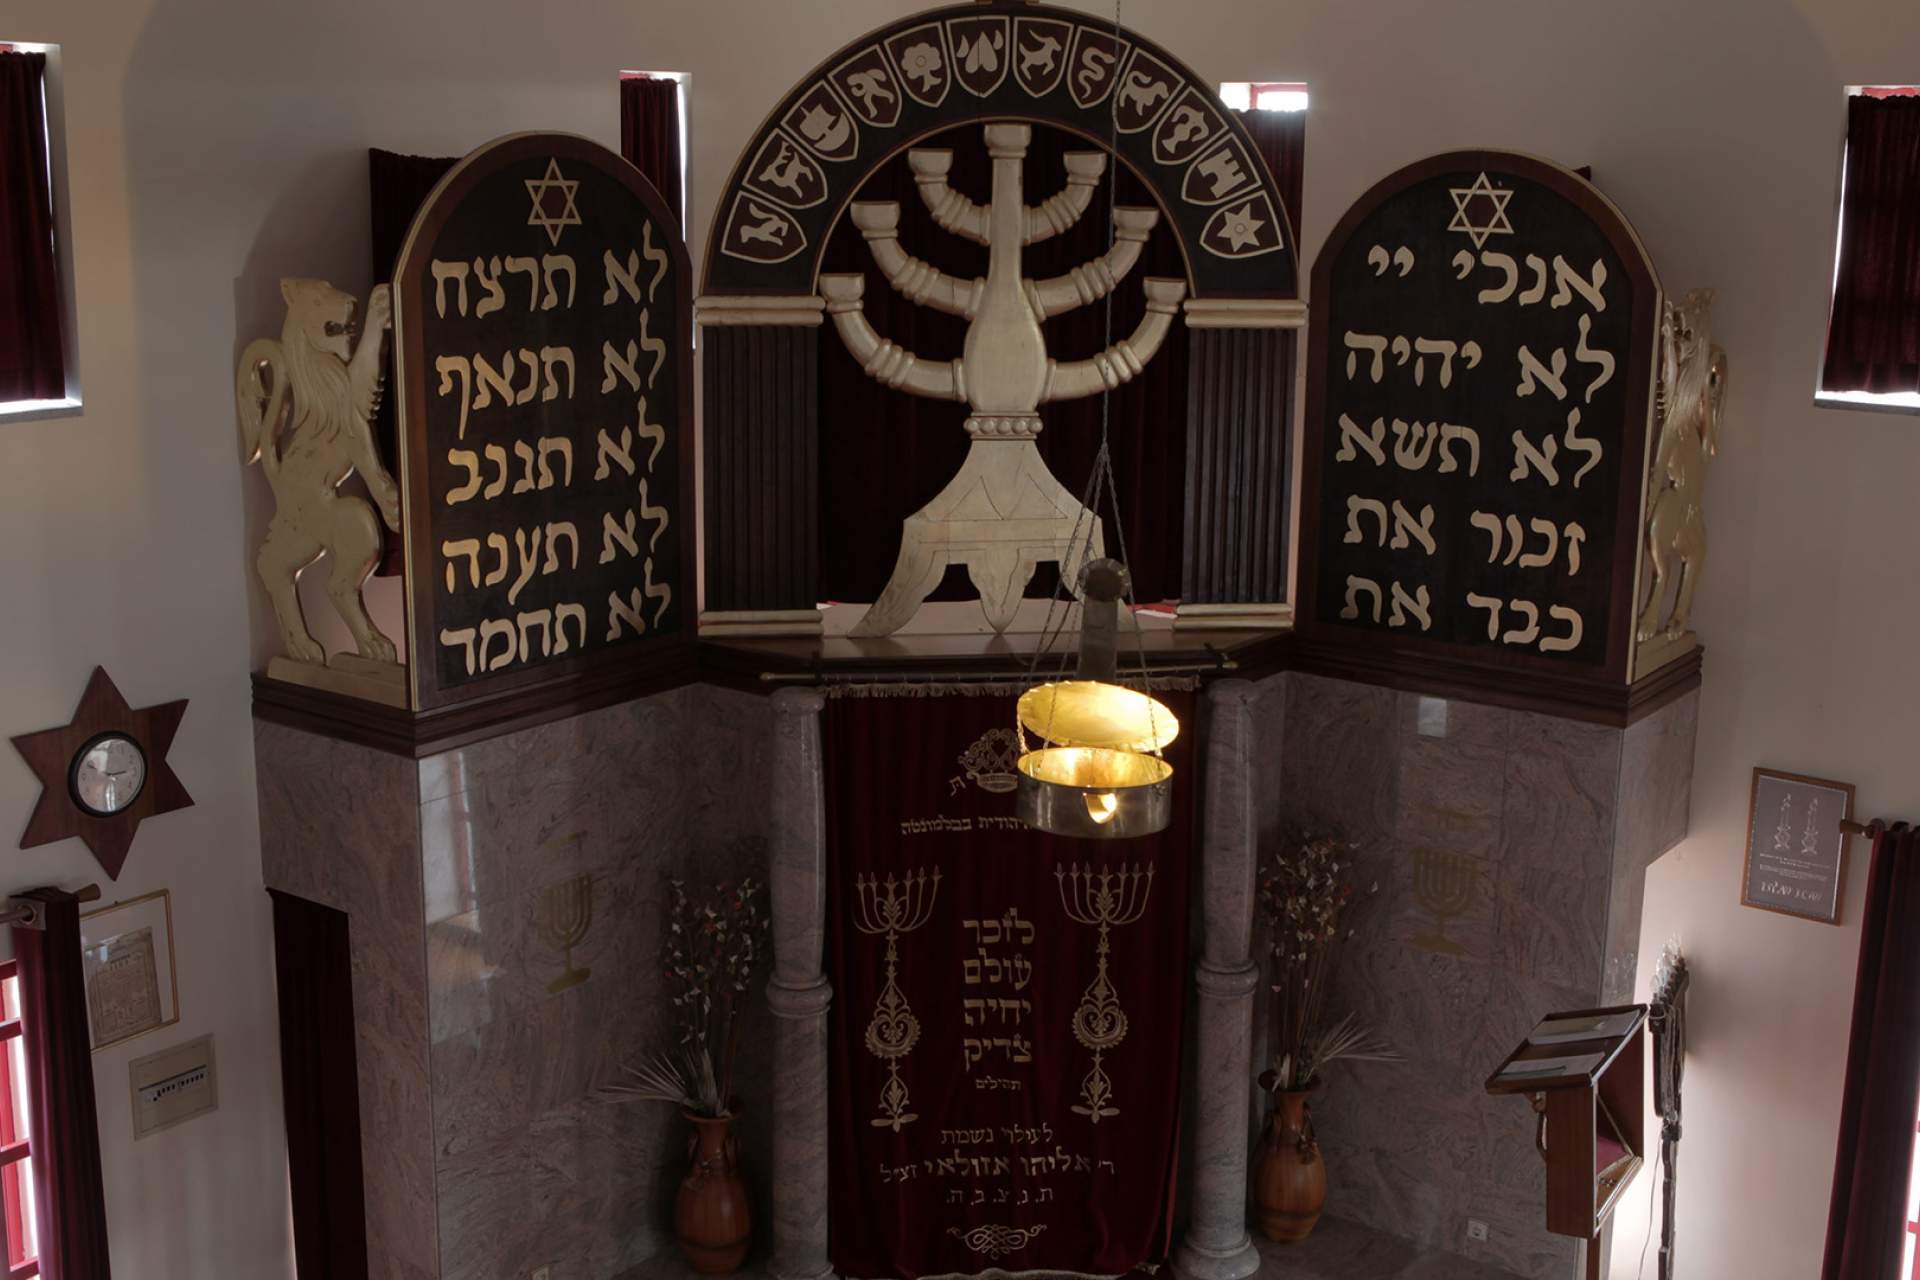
column 215, row 145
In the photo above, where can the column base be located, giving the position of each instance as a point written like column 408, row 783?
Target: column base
column 1195, row 1261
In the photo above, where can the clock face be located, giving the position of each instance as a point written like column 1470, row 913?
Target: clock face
column 107, row 774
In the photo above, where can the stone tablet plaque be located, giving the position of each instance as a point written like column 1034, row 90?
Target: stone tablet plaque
column 541, row 315
column 1796, row 852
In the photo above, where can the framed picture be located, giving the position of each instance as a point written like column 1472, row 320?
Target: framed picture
column 1796, row 852
column 126, row 955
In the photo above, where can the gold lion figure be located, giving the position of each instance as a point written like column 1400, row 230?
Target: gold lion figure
column 305, row 404
column 1693, row 382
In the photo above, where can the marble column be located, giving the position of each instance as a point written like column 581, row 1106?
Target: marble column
column 1217, row 1245
column 798, row 993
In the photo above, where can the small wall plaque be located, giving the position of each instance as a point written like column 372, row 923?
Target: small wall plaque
column 173, row 1086
column 126, row 952
column 1796, row 852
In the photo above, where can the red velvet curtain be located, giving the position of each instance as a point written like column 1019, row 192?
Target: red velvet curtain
column 32, row 354
column 319, row 1076
column 650, row 132
column 1867, row 1223
column 971, row 1128
column 884, row 454
column 1873, row 338
column 66, row 1139
column 1281, row 137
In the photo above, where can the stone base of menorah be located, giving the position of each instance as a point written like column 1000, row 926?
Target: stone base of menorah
column 1002, row 516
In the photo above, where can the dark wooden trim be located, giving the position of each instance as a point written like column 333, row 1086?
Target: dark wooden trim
column 423, row 733
column 1239, row 397
column 760, row 500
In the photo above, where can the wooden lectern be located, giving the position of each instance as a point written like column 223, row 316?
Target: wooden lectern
column 1585, row 1073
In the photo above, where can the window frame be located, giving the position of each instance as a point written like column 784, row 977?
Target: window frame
column 14, row 1151
column 53, row 97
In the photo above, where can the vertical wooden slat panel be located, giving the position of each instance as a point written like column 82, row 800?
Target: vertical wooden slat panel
column 1234, row 542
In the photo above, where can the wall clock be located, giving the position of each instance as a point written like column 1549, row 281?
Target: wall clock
column 102, row 772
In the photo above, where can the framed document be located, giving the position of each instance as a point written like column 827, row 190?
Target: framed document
column 1796, row 852
column 126, row 955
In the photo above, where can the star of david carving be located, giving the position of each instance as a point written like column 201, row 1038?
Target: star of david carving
column 1480, row 210
column 51, row 754
column 1242, row 228
column 553, row 207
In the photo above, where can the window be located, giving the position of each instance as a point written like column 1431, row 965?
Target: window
column 1264, row 95
column 1872, row 356
column 22, row 1257
column 646, row 154
column 1909, row 1267
column 37, row 365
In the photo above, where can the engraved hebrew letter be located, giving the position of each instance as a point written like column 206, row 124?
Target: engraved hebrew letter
column 1490, row 524
column 1592, row 355
column 1567, row 282
column 1531, row 369
column 1357, row 504
column 612, row 364
column 621, row 278
column 462, row 637
column 496, row 543
column 1503, row 262
column 471, row 461
column 529, row 267
column 622, row 613
column 1355, row 586
column 653, row 431
column 468, row 547
column 660, row 592
column 443, row 272
column 524, row 451
column 620, row 453
column 497, row 456
column 446, row 367
column 550, row 445
column 549, row 358
column 1358, row 342
column 1583, row 444
column 489, row 380
column 1437, row 347
column 551, row 264
column 554, row 529
column 543, row 618
column 1539, row 289
column 654, row 346
column 1516, row 539
column 1369, row 441
column 1449, row 433
column 533, row 378
column 1575, row 534
column 1402, row 351
column 656, row 514
column 1526, row 634
column 1470, row 352
column 1541, row 559
column 487, row 272
column 1378, row 260
column 1493, row 606
column 1403, row 259
column 1463, row 264
column 657, row 256
column 1570, row 641
column 561, row 612
column 529, row 556
column 1416, row 605
column 1541, row 458
column 1407, row 530
column 501, row 629
column 612, row 533
column 1413, row 443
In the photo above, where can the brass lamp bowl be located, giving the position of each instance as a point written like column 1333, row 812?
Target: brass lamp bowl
column 1094, row 792
column 1093, row 713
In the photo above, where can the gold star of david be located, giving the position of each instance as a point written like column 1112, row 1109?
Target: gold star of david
column 1480, row 211
column 559, row 190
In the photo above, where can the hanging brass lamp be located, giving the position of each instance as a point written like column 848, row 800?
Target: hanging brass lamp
column 1098, row 772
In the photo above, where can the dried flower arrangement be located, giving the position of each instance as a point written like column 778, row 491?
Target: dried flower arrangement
column 1307, row 895
column 712, row 950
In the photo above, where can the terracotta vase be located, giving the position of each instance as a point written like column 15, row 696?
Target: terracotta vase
column 711, row 1216
column 1290, row 1185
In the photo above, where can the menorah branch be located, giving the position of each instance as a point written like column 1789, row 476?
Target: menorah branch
column 915, row 280
column 956, row 213
column 1123, row 361
column 1103, row 275
column 882, row 360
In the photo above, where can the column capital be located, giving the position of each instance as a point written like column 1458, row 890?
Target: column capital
column 799, row 701
column 803, row 1000
column 1226, row 984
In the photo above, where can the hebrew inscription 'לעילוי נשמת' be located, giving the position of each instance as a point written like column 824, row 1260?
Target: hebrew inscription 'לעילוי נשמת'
column 1003, row 513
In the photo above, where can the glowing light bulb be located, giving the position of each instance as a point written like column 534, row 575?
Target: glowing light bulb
column 1102, row 807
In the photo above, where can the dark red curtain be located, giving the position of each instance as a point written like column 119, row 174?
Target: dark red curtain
column 650, row 132
column 397, row 185
column 66, row 1135
column 32, row 350
column 1281, row 137
column 992, row 1139
column 1867, row 1223
column 885, row 454
column 319, row 1078
column 1873, row 338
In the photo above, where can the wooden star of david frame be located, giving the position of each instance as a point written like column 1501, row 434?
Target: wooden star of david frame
column 53, row 754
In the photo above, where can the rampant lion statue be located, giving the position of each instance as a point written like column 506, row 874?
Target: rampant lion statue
column 305, row 402
column 1693, row 384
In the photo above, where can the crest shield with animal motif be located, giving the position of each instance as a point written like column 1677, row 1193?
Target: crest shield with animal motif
column 783, row 172
column 925, row 68
column 824, row 123
column 1095, row 60
column 1220, row 175
column 1147, row 87
column 760, row 232
column 1191, row 125
column 1040, row 53
column 980, row 53
column 867, row 81
column 1243, row 229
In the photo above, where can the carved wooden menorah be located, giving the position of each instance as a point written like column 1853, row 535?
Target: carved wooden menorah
column 891, row 908
column 1105, row 900
column 1003, row 514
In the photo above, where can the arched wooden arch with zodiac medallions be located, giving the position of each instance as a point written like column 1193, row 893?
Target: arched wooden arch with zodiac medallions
column 995, row 60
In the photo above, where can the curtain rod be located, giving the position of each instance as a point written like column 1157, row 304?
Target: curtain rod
column 29, row 913
column 1874, row 828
